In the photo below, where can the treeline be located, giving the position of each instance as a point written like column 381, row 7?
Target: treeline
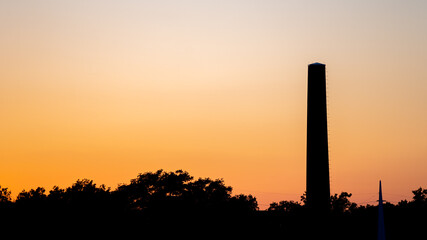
column 175, row 202
column 347, row 220
column 150, row 201
column 151, row 192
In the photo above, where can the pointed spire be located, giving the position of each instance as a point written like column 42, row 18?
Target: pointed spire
column 381, row 228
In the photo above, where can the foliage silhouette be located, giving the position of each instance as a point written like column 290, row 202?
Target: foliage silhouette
column 37, row 194
column 172, row 202
column 420, row 196
column 285, row 206
column 341, row 204
column 5, row 195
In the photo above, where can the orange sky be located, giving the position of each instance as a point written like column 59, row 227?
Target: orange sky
column 106, row 90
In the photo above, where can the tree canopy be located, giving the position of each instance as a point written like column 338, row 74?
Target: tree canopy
column 176, row 200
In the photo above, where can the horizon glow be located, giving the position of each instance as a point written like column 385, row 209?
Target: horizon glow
column 106, row 90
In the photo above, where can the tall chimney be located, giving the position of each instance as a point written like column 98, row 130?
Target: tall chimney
column 318, row 190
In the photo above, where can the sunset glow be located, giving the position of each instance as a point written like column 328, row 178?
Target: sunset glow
column 108, row 89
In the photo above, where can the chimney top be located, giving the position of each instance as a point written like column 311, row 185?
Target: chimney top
column 317, row 63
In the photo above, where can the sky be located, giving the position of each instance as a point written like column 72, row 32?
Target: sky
column 106, row 90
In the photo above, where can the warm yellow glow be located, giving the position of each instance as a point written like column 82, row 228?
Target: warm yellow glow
column 109, row 90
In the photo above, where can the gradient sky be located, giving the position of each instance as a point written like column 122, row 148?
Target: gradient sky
column 109, row 89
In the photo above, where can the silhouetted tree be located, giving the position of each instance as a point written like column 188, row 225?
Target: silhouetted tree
column 84, row 197
column 5, row 199
column 32, row 202
column 37, row 194
column 57, row 194
column 341, row 204
column 207, row 191
column 285, row 206
column 83, row 189
column 5, row 195
column 403, row 203
column 150, row 188
column 244, row 203
column 163, row 193
column 420, row 196
column 304, row 198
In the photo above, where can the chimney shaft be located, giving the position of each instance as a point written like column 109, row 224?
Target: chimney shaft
column 318, row 190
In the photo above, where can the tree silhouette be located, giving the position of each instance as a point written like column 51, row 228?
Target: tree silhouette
column 304, row 198
column 84, row 197
column 341, row 204
column 172, row 201
column 244, row 203
column 56, row 194
column 176, row 192
column 151, row 189
column 5, row 195
column 5, row 199
column 285, row 206
column 37, row 194
column 420, row 196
